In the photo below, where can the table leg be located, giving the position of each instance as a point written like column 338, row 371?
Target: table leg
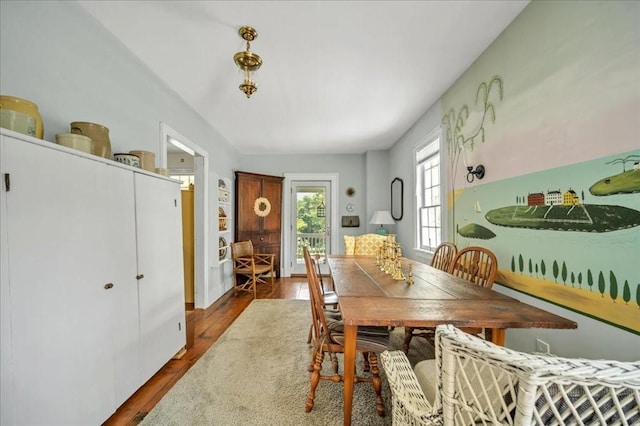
column 350, row 332
column 498, row 336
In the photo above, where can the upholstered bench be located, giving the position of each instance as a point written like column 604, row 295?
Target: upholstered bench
column 364, row 245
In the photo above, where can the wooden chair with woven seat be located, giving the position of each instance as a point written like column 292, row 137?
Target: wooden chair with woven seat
column 248, row 267
column 475, row 382
column 442, row 259
column 329, row 339
column 330, row 298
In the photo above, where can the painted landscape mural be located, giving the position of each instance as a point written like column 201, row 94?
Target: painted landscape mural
column 564, row 237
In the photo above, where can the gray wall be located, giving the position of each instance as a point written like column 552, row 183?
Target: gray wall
column 61, row 58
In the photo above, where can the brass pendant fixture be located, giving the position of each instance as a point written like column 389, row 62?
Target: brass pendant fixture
column 248, row 61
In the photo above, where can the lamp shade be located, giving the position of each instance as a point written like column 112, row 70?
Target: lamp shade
column 382, row 217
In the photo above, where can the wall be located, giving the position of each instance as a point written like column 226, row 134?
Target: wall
column 401, row 161
column 567, row 92
column 61, row 58
column 377, row 187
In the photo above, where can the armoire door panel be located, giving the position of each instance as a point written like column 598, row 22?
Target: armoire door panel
column 265, row 232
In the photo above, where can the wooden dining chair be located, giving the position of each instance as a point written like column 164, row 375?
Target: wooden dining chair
column 442, row 259
column 329, row 339
column 330, row 298
column 249, row 267
column 479, row 266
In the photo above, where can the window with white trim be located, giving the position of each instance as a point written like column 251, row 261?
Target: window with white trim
column 428, row 194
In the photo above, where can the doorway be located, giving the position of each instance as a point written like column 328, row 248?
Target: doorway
column 310, row 201
column 170, row 139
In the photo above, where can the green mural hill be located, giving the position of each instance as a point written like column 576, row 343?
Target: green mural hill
column 474, row 230
column 579, row 218
column 624, row 183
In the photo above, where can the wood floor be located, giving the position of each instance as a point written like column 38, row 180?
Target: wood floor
column 209, row 326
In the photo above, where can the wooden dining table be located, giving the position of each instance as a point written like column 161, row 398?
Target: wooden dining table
column 369, row 296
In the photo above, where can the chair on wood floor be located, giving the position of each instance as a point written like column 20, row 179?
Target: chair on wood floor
column 442, row 259
column 473, row 382
column 330, row 298
column 329, row 338
column 249, row 267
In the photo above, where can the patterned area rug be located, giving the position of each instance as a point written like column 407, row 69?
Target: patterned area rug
column 256, row 374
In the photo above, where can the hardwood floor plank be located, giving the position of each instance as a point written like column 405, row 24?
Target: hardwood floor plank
column 210, row 324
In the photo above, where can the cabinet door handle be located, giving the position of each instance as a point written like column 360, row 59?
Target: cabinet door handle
column 108, row 286
column 261, row 238
column 139, row 277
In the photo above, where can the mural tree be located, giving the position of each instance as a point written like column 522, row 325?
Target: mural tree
column 457, row 135
column 626, row 292
column 601, row 283
column 613, row 286
column 628, row 159
column 456, row 123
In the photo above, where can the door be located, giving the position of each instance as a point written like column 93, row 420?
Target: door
column 160, row 263
column 310, row 204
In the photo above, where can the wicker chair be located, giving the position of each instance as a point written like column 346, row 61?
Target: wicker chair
column 477, row 382
column 442, row 259
column 329, row 339
column 249, row 267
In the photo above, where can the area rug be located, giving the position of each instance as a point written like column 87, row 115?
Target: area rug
column 256, row 374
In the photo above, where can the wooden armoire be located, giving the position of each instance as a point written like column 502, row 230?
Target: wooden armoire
column 259, row 213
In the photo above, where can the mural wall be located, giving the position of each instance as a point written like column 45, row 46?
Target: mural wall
column 553, row 117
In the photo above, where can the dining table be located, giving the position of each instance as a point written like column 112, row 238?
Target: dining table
column 369, row 296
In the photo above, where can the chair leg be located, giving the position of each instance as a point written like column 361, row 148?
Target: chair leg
column 315, row 379
column 310, row 334
column 365, row 359
column 255, row 285
column 408, row 335
column 377, row 383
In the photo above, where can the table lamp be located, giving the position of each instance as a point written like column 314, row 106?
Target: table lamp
column 382, row 217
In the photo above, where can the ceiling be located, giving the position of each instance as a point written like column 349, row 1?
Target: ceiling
column 339, row 77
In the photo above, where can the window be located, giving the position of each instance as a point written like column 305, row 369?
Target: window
column 428, row 194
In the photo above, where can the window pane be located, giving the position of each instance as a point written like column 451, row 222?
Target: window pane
column 427, row 178
column 428, row 225
column 428, row 200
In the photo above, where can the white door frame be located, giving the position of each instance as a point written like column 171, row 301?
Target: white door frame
column 287, row 220
column 201, row 207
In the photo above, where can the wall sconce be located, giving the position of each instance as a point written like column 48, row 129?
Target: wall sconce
column 467, row 157
column 382, row 217
column 321, row 211
column 247, row 61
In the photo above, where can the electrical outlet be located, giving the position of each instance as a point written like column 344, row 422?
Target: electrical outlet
column 542, row 346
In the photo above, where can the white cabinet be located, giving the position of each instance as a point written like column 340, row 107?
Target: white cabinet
column 160, row 268
column 79, row 333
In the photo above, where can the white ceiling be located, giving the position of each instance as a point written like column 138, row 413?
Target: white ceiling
column 337, row 76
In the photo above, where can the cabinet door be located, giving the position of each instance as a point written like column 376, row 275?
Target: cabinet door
column 272, row 191
column 69, row 234
column 161, row 290
column 248, row 189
